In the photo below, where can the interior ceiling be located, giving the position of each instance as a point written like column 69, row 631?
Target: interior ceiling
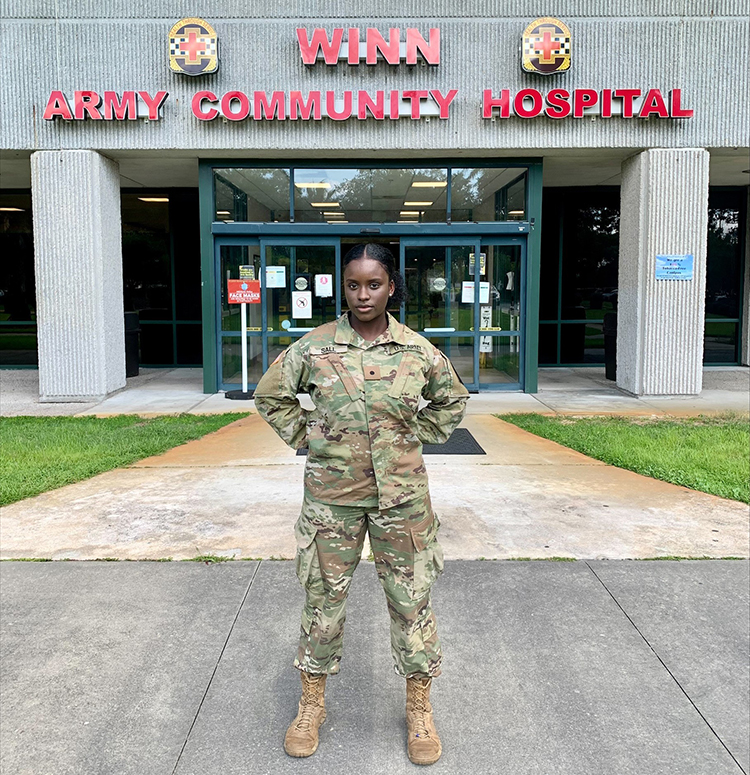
column 593, row 167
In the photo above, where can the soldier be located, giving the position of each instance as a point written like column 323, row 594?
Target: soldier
column 365, row 373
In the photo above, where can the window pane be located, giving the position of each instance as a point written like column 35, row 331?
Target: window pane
column 500, row 363
column 548, row 344
column 503, row 273
column 582, row 343
column 251, row 194
column 184, row 225
column 231, row 360
column 724, row 259
column 146, row 266
column 301, row 263
column 370, row 195
column 18, row 345
column 156, row 345
column 550, row 255
column 434, row 300
column 590, row 254
column 460, row 350
column 720, row 343
column 232, row 257
column 493, row 194
column 17, row 290
column 189, row 344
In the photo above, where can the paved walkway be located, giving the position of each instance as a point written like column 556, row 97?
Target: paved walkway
column 237, row 492
column 551, row 668
column 561, row 391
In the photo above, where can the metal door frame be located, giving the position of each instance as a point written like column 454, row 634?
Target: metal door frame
column 262, row 243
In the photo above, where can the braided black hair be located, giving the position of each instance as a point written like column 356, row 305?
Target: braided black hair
column 381, row 254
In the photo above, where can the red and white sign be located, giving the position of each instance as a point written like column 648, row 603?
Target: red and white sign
column 243, row 291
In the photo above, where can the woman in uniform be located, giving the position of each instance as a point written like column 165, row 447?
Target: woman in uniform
column 365, row 373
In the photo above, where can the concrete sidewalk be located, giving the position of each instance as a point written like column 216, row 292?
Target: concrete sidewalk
column 578, row 391
column 237, row 493
column 553, row 668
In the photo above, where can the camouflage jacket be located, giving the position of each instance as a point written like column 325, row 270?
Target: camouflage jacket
column 365, row 436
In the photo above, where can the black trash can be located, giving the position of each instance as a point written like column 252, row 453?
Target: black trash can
column 610, row 345
column 132, row 331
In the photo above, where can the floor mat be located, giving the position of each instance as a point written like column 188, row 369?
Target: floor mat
column 461, row 442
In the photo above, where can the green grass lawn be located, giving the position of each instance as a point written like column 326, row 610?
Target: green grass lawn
column 41, row 453
column 711, row 454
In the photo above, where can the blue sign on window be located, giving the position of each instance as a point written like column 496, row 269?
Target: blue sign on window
column 674, row 267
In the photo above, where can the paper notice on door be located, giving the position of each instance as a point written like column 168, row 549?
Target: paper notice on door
column 275, row 277
column 467, row 293
column 301, row 304
column 485, row 344
column 324, row 285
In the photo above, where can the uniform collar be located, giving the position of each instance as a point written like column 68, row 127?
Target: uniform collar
column 345, row 334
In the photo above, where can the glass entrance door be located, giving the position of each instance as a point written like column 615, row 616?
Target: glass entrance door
column 300, row 289
column 470, row 309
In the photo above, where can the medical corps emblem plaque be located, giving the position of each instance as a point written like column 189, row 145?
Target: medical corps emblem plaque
column 193, row 47
column 546, row 47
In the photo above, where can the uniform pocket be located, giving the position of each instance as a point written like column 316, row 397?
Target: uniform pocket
column 428, row 555
column 409, row 379
column 306, row 559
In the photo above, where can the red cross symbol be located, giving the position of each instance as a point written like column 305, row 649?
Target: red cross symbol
column 547, row 46
column 193, row 47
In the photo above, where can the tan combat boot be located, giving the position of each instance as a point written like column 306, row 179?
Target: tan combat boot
column 423, row 741
column 302, row 736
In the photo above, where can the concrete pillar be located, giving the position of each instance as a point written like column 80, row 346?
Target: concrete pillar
column 664, row 211
column 745, row 312
column 78, row 263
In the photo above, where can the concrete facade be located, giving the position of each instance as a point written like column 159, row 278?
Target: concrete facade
column 78, row 261
column 688, row 45
column 664, row 211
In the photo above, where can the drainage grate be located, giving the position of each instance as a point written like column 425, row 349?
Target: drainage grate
column 461, row 442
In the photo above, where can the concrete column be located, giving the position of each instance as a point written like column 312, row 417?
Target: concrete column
column 664, row 211
column 78, row 263
column 745, row 324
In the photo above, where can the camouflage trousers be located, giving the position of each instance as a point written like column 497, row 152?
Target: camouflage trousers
column 408, row 559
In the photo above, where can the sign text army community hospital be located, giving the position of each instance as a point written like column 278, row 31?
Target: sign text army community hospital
column 371, row 47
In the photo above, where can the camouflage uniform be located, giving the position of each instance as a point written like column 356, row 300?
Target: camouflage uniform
column 365, row 472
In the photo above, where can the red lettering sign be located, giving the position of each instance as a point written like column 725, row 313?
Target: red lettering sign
column 243, row 291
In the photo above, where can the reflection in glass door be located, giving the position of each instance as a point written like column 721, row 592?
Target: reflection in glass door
column 470, row 309
column 299, row 290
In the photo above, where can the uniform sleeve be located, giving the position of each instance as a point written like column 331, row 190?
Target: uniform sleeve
column 276, row 397
column 447, row 402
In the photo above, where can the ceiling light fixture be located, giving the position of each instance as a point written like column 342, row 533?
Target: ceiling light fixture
column 417, row 204
column 154, row 198
column 223, row 212
column 409, row 212
column 312, row 185
column 11, row 210
column 429, row 184
column 325, row 204
column 334, row 214
column 515, row 212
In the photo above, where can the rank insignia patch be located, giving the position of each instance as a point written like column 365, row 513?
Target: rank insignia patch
column 546, row 47
column 193, row 47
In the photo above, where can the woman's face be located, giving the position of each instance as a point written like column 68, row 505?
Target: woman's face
column 367, row 288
